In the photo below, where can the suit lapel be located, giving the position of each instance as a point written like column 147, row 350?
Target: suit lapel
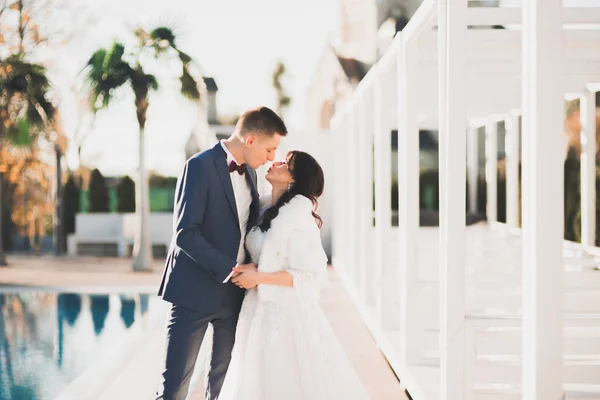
column 223, row 172
column 251, row 180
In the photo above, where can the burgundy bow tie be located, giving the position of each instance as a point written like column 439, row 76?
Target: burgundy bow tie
column 233, row 166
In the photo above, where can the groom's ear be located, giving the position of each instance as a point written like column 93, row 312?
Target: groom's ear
column 249, row 140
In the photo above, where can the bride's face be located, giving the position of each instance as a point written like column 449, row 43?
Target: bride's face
column 279, row 175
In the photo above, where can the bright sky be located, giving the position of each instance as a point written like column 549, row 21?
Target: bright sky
column 237, row 42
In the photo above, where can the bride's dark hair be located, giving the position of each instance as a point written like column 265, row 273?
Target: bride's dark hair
column 308, row 182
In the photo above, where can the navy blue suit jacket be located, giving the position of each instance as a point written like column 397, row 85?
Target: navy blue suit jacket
column 206, row 235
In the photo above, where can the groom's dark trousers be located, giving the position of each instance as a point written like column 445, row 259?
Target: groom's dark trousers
column 201, row 256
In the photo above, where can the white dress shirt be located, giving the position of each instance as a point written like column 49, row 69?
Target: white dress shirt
column 243, row 200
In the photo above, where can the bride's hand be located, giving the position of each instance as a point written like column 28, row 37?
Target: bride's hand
column 246, row 279
column 240, row 268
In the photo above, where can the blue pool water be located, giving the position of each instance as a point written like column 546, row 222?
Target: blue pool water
column 48, row 338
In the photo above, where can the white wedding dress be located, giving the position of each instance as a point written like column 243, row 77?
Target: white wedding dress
column 285, row 348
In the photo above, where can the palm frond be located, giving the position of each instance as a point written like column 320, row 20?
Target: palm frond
column 94, row 65
column 142, row 83
column 24, row 88
column 163, row 38
column 41, row 111
column 20, row 135
column 285, row 101
column 185, row 59
column 189, row 85
column 106, row 71
column 114, row 57
column 116, row 70
column 143, row 36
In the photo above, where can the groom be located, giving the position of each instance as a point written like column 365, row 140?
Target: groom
column 216, row 204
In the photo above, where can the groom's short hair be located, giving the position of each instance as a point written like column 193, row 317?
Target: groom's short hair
column 261, row 120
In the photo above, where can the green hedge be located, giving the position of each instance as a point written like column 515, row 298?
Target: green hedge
column 162, row 199
column 126, row 195
column 429, row 196
column 71, row 207
column 7, row 227
column 429, row 193
column 572, row 196
column 121, row 198
column 98, row 193
column 573, row 200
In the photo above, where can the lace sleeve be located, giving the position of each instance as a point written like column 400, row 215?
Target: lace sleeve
column 307, row 261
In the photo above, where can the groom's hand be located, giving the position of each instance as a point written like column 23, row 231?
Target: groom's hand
column 241, row 268
column 247, row 279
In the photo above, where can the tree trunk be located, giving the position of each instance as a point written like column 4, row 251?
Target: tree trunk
column 58, row 218
column 142, row 246
column 2, row 256
column 22, row 24
column 79, row 157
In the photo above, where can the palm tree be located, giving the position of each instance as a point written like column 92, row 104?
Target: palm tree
column 111, row 69
column 283, row 99
column 24, row 109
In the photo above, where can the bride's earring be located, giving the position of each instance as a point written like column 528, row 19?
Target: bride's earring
column 289, row 187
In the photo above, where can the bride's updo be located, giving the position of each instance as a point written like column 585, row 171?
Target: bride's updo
column 308, row 182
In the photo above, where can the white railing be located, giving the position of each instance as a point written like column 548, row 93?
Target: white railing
column 435, row 300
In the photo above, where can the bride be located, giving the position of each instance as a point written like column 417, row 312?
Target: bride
column 284, row 347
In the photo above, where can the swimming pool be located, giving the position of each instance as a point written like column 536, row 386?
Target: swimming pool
column 48, row 338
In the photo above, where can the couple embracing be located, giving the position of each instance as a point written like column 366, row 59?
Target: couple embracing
column 253, row 269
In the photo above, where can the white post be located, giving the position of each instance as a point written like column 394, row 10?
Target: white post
column 513, row 157
column 543, row 192
column 342, row 180
column 353, row 204
column 588, row 169
column 370, row 124
column 452, row 29
column 365, row 210
column 408, row 198
column 473, row 166
column 339, row 211
column 491, row 169
column 347, row 193
column 391, row 298
column 383, row 193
